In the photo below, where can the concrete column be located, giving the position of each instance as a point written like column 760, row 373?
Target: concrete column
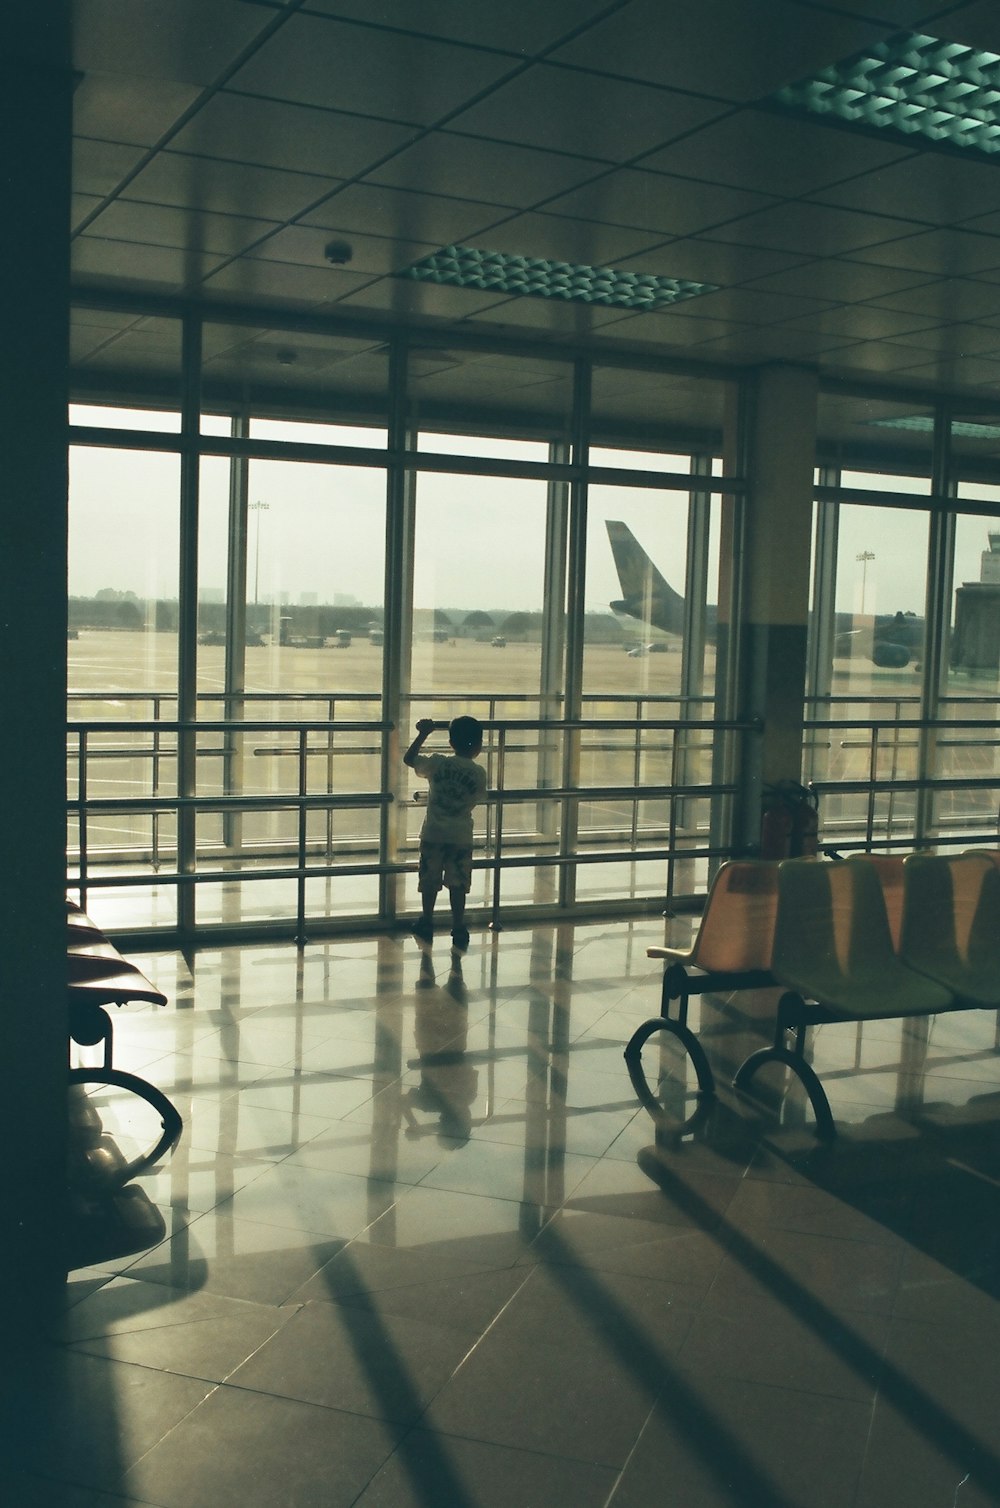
column 776, row 541
column 35, row 106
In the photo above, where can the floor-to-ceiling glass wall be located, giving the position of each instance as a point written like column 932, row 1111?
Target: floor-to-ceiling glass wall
column 322, row 554
column 903, row 685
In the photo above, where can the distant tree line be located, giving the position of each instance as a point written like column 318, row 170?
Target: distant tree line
column 110, row 609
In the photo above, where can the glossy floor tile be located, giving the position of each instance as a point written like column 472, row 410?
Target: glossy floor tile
column 421, row 1247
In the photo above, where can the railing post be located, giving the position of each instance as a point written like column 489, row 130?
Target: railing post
column 156, row 781
column 331, row 715
column 872, row 784
column 495, row 925
column 637, row 768
column 81, row 791
column 300, row 902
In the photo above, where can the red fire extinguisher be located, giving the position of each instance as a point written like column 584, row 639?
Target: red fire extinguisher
column 805, row 825
column 789, row 826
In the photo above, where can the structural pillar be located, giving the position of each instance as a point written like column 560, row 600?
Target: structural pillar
column 35, row 103
column 776, row 542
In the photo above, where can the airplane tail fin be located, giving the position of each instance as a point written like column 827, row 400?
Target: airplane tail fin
column 647, row 595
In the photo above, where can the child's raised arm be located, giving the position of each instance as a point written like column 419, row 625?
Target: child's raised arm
column 425, row 727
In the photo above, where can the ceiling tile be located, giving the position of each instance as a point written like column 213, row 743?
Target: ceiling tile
column 811, row 228
column 871, row 357
column 133, row 37
column 652, row 201
column 984, row 225
column 862, row 322
column 374, row 255
column 951, row 253
column 950, row 299
column 230, row 188
column 406, row 214
column 403, row 297
column 142, row 268
column 977, row 24
column 100, row 166
column 505, row 24
column 283, row 283
column 950, row 340
column 314, row 60
column 708, row 261
column 897, row 13
column 844, row 282
column 972, row 371
column 446, row 163
column 555, row 107
column 718, row 48
column 772, row 154
column 244, row 128
column 166, row 225
column 777, row 342
column 661, row 329
column 566, row 319
column 749, row 308
column 82, row 206
column 937, row 188
column 139, row 111
column 564, row 240
column 91, row 329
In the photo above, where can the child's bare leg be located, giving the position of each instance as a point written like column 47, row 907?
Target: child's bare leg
column 427, row 900
column 457, row 899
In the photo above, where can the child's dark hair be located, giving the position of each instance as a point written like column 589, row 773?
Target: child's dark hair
column 465, row 733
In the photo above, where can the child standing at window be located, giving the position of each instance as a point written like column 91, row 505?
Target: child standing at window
column 457, row 785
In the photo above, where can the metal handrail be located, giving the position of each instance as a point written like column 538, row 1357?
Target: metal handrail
column 301, row 800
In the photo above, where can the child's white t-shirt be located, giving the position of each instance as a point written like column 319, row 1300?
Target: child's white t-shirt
column 456, row 786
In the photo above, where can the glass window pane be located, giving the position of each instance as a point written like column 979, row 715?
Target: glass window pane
column 315, row 550
column 124, row 513
column 868, row 628
column 636, row 614
column 478, row 589
column 880, row 593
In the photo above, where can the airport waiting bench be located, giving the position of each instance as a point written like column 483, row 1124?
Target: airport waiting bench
column 846, row 941
column 99, row 976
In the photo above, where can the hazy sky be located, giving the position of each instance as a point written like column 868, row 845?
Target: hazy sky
column 480, row 541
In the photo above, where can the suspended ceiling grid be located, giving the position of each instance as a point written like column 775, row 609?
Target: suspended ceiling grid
column 221, row 146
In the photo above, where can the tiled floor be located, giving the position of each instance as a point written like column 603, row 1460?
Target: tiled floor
column 418, row 1248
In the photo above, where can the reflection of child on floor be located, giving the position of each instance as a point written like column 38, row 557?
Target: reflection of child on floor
column 448, row 1082
column 456, row 785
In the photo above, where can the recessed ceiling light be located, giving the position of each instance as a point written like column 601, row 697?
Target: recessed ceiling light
column 537, row 277
column 914, row 86
column 966, row 429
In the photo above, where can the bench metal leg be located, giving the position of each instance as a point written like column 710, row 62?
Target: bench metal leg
column 691, row 1045
column 793, row 1059
column 170, row 1117
column 825, row 1128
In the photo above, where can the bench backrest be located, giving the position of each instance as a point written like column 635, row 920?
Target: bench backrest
column 737, row 926
column 951, row 921
column 889, row 869
column 832, row 924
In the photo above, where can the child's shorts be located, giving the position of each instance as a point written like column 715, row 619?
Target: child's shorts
column 447, row 862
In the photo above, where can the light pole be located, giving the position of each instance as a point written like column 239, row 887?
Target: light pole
column 258, row 509
column 864, row 558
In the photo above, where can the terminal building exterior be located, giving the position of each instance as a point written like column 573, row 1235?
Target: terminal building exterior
column 338, row 336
